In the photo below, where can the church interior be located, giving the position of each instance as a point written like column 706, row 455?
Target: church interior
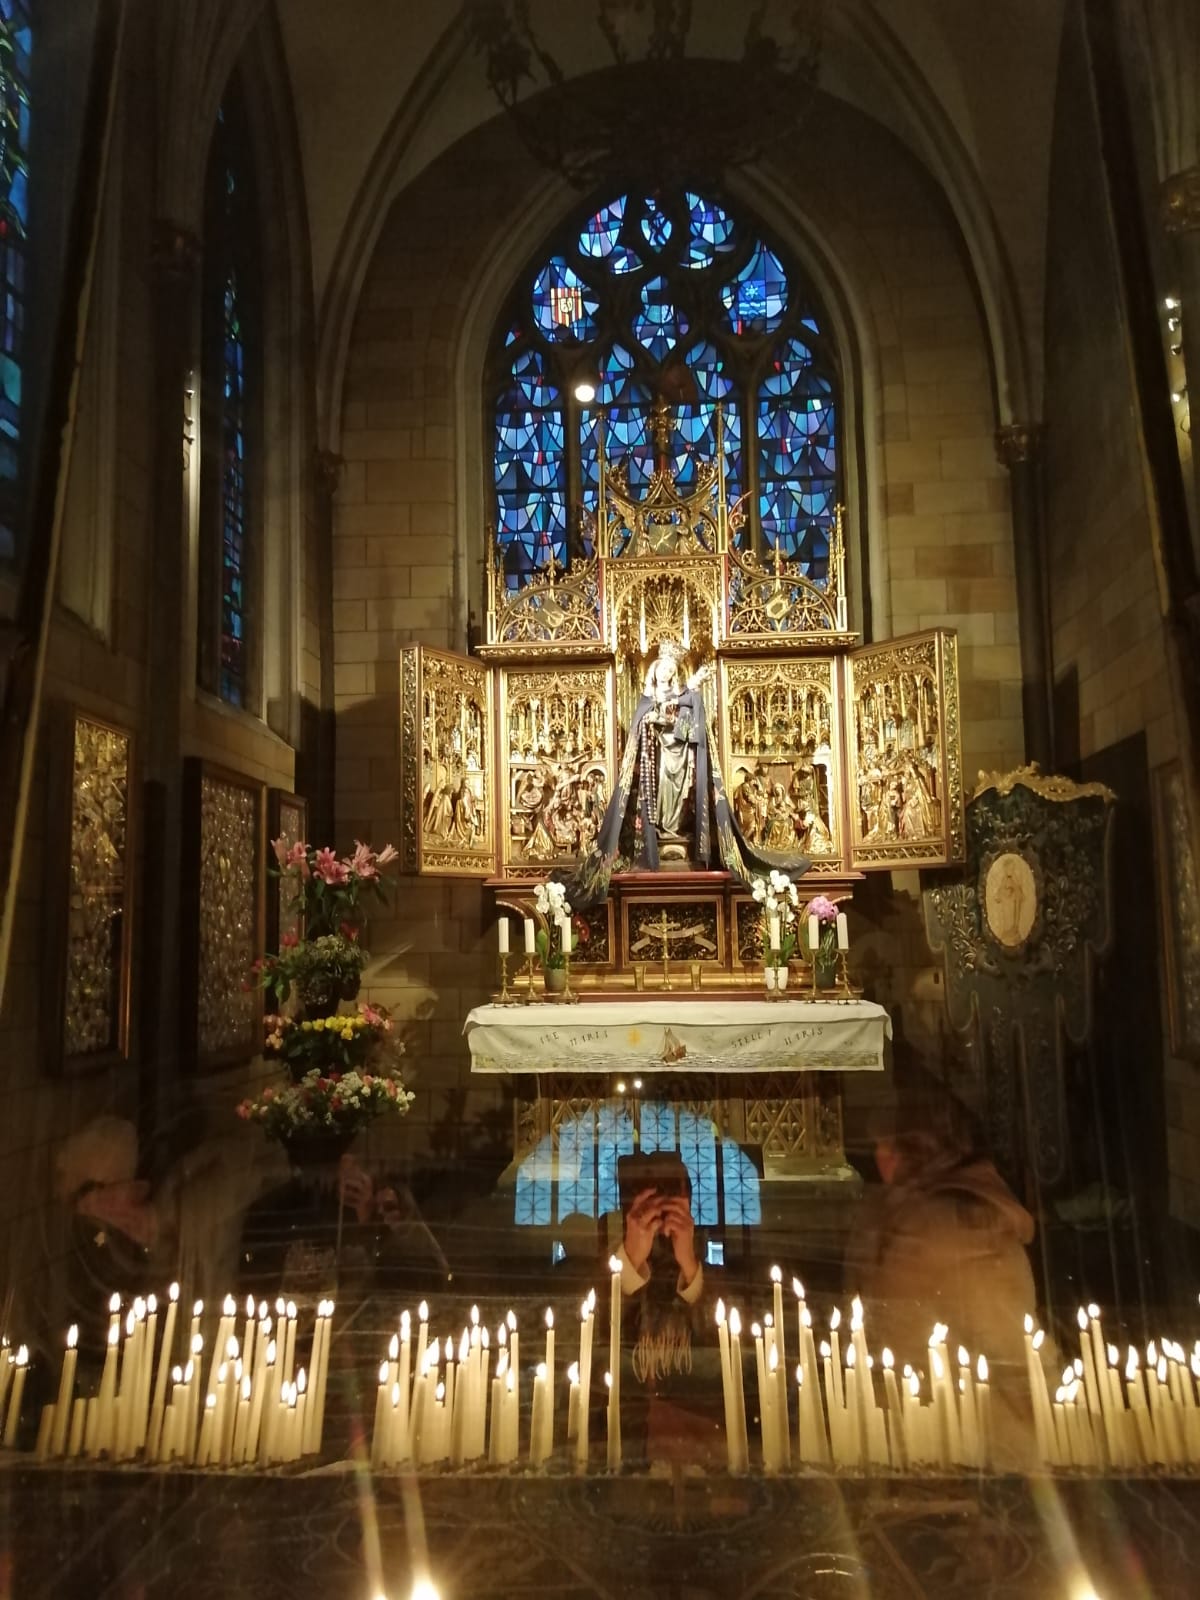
column 600, row 668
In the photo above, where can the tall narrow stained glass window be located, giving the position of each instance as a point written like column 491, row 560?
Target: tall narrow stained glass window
column 232, row 392
column 673, row 294
column 16, row 42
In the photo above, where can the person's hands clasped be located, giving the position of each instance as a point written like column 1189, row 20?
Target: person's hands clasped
column 641, row 1224
column 679, row 1226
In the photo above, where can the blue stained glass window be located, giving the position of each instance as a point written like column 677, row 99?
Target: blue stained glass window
column 656, row 225
column 601, row 239
column 710, row 231
column 564, row 307
column 233, row 666
column 16, row 42
column 659, row 326
column 798, row 458
column 684, row 280
column 757, row 298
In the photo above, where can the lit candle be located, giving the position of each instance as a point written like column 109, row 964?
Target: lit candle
column 496, row 1422
column 242, row 1420
column 586, row 1331
column 66, row 1394
column 854, row 1417
column 831, row 1403
column 160, row 1378
column 835, row 1348
column 970, row 1422
column 264, row 1401
column 1090, row 1386
column 614, row 1365
column 318, row 1397
column 913, row 1440
column 843, row 932
column 378, row 1433
column 502, row 934
column 899, row 1455
column 513, row 1387
column 404, row 1442
column 41, row 1448
column 739, row 1393
column 289, row 1344
column 548, row 1400
column 300, row 1391
column 983, row 1401
column 731, row 1451
column 205, row 1448
column 572, row 1401
column 537, row 1426
column 530, row 946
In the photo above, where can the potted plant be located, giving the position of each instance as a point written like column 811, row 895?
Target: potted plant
column 778, row 898
column 551, row 903
column 822, row 953
column 320, row 972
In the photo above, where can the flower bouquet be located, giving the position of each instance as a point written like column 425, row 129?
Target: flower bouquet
column 823, row 951
column 778, row 898
column 552, row 903
column 330, row 891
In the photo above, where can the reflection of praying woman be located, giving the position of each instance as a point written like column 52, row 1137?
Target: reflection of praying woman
column 661, row 1274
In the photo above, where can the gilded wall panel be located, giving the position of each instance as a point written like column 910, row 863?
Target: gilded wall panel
column 446, row 764
column 556, row 762
column 905, row 755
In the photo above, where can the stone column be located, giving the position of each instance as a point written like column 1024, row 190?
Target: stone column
column 1019, row 448
column 174, row 314
column 315, row 762
column 1180, row 199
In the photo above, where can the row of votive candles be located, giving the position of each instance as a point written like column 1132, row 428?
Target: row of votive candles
column 429, row 1410
column 1096, row 1420
column 256, row 1405
column 847, row 1422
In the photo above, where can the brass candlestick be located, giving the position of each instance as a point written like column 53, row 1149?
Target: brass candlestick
column 530, row 997
column 506, row 997
column 772, row 988
column 664, row 932
column 846, row 989
column 568, row 996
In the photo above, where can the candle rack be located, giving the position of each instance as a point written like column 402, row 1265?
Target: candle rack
column 506, row 997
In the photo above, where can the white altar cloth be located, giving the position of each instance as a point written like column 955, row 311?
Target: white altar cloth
column 685, row 1035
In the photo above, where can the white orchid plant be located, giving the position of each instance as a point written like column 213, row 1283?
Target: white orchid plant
column 778, row 897
column 552, row 903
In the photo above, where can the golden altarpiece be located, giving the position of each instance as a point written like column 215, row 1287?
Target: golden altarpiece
column 845, row 754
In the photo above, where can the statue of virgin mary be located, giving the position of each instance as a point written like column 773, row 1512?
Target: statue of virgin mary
column 670, row 805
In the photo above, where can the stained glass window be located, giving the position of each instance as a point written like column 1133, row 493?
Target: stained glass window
column 16, row 39
column 231, row 397
column 671, row 292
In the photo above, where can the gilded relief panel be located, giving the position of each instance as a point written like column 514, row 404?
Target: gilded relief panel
column 230, row 927
column 905, row 781
column 555, row 761
column 674, row 930
column 446, row 763
column 783, row 756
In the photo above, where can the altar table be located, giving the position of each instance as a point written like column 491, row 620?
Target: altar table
column 679, row 1037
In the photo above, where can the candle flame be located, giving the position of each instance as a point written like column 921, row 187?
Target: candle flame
column 981, row 1369
column 231, row 1348
column 210, row 1402
column 474, row 1316
column 614, row 1266
column 229, row 1307
column 302, row 1380
column 1113, row 1354
column 1028, row 1323
column 584, row 1311
column 72, row 1336
column 114, row 1303
column 1162, row 1369
column 265, row 1327
column 573, row 1372
column 197, row 1344
column 502, row 1363
column 1060, row 1394
column 22, row 1358
column 272, row 1352
column 423, row 1312
column 1039, row 1338
column 449, row 1348
column 152, row 1304
column 197, row 1308
column 914, row 1385
column 1077, row 1366
column 395, row 1397
column 502, row 1336
column 393, row 1348
column 768, row 1320
column 856, row 1309
column 280, row 1307
column 591, row 1300
column 939, row 1370
column 1131, row 1365
column 964, row 1359
column 1093, row 1311
column 772, row 1359
column 291, row 1310
column 940, row 1330
column 246, row 1387
column 1152, row 1354
column 405, row 1324
column 805, row 1317
column 720, row 1312
column 1081, row 1318
column 176, row 1374
column 835, row 1321
column 439, row 1393
column 800, row 1375
column 485, row 1338
column 238, row 1369
column 512, row 1322
column 776, row 1275
column 851, row 1356
column 797, row 1288
column 826, row 1352
column 173, row 1293
column 222, row 1373
column 130, row 1325
column 189, row 1372
column 464, row 1346
column 549, row 1317
column 889, row 1360
column 540, row 1370
column 1195, row 1364
column 756, row 1330
column 735, row 1322
column 383, row 1373
column 608, row 1380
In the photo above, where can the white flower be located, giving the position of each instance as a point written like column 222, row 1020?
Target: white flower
column 759, row 890
column 779, row 881
column 541, row 899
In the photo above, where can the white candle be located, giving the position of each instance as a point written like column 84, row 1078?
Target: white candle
column 843, row 932
column 205, row 1448
column 739, row 1393
column 970, row 1421
column 289, row 1345
column 572, row 1402
column 41, row 1448
column 731, row 1452
column 814, row 935
column 548, row 1403
column 300, row 1389
column 895, row 1416
column 614, row 1364
column 404, row 1442
column 502, row 935
column 318, row 1398
column 160, row 1378
column 835, row 1322
column 78, row 1419
column 378, row 1433
column 66, row 1394
column 586, row 1332
column 530, row 946
column 537, row 1427
column 513, row 1386
column 983, row 1401
column 773, row 934
column 564, row 925
column 509, row 1437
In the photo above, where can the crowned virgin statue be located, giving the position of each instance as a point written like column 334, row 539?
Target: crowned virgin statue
column 669, row 810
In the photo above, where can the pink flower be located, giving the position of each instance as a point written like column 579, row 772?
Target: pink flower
column 297, row 857
column 328, row 868
column 268, row 1093
column 821, row 907
column 243, row 1111
column 362, row 862
column 290, row 940
column 280, row 847
column 369, row 1015
column 386, row 856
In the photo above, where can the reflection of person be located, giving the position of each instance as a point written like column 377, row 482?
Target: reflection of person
column 946, row 1241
